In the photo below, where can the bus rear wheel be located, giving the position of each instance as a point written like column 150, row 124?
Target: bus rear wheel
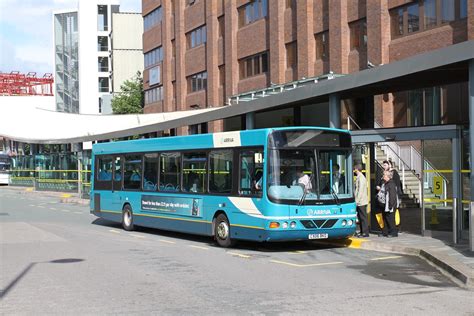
column 222, row 231
column 127, row 218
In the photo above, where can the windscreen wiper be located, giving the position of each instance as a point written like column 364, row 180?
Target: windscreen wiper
column 336, row 198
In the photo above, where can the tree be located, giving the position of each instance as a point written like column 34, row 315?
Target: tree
column 130, row 99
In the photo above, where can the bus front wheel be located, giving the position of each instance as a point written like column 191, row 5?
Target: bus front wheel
column 222, row 231
column 127, row 218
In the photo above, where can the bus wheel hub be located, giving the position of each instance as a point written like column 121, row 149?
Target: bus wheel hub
column 222, row 230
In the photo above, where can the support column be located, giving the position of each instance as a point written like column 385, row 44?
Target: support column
column 250, row 120
column 471, row 151
column 457, row 187
column 334, row 111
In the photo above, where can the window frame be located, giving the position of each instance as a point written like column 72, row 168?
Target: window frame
column 105, row 185
column 248, row 63
column 239, row 152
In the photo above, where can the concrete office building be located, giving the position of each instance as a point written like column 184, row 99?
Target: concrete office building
column 96, row 49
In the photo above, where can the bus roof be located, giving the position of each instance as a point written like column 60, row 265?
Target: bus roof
column 255, row 137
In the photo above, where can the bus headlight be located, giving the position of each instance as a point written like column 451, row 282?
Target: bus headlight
column 293, row 225
column 284, row 225
column 343, row 223
column 349, row 222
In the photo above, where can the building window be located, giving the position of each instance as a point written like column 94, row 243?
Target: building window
column 447, row 11
column 397, row 22
column 434, row 13
column 196, row 37
column 430, row 13
column 253, row 11
column 153, row 57
column 173, row 48
column 221, row 23
column 102, row 20
column 463, row 9
column 291, row 55
column 103, row 84
column 413, row 18
column 322, row 46
column 152, row 18
column 102, row 43
column 253, row 65
column 197, row 82
column 103, row 64
column 154, row 95
column 221, row 76
column 358, row 33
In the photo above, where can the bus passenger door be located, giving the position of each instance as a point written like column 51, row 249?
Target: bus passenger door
column 116, row 196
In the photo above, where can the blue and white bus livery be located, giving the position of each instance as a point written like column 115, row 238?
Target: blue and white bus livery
column 234, row 185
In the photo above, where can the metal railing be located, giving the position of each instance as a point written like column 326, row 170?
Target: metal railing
column 54, row 180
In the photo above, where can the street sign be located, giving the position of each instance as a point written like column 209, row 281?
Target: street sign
column 438, row 185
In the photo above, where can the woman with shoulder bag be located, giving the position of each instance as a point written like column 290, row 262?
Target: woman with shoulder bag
column 391, row 200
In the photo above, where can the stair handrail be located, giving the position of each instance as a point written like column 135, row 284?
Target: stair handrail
column 349, row 120
column 428, row 179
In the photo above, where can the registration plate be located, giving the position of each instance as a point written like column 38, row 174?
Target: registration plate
column 317, row 236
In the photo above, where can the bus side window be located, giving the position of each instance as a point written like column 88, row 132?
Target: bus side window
column 103, row 175
column 132, row 172
column 194, row 172
column 150, row 172
column 251, row 173
column 170, row 172
column 220, row 171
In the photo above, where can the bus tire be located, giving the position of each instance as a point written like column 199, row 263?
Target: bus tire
column 127, row 218
column 222, row 231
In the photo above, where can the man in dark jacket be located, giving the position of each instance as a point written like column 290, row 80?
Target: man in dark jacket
column 390, row 230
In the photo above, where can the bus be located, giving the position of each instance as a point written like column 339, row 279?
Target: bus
column 242, row 185
column 5, row 165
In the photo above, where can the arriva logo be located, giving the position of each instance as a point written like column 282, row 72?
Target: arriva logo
column 318, row 212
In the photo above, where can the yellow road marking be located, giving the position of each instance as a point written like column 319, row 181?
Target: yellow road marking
column 166, row 241
column 32, row 205
column 386, row 258
column 298, row 252
column 77, row 213
column 114, row 231
column 239, row 255
column 66, row 211
column 41, row 206
column 138, row 236
column 53, row 209
column 306, row 265
column 29, row 189
column 65, row 195
column 198, row 247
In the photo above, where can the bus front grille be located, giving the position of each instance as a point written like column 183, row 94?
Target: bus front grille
column 318, row 223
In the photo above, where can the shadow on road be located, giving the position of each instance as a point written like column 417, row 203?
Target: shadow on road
column 14, row 282
column 302, row 245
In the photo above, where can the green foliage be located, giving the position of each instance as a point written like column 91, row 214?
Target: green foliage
column 130, row 99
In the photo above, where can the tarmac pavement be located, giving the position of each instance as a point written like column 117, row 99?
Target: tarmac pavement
column 455, row 261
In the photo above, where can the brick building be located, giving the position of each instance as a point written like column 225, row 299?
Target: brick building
column 198, row 53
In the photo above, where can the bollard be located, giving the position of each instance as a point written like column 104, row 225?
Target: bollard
column 434, row 216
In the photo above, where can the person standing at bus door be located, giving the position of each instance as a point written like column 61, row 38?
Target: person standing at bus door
column 399, row 185
column 362, row 199
column 304, row 180
column 390, row 230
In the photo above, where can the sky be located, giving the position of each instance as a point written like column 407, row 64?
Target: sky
column 26, row 39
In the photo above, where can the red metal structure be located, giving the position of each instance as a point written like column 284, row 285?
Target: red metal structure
column 16, row 83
